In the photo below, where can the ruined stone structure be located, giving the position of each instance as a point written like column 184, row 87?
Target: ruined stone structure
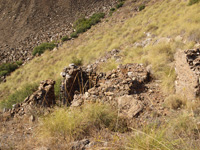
column 188, row 73
column 76, row 80
column 118, row 87
column 43, row 97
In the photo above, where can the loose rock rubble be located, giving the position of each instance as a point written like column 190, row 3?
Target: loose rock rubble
column 31, row 23
column 188, row 73
column 83, row 84
column 44, row 96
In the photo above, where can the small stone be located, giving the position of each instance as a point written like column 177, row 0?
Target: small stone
column 63, row 74
column 108, row 93
column 67, row 76
column 113, row 76
column 130, row 74
column 72, row 66
column 5, row 110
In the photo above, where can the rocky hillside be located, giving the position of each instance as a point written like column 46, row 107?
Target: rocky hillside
column 129, row 82
column 26, row 24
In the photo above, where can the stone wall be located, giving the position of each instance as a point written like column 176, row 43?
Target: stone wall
column 43, row 97
column 188, row 71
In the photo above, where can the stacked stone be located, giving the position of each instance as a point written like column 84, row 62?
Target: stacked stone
column 76, row 80
column 193, row 59
column 127, row 79
column 44, row 96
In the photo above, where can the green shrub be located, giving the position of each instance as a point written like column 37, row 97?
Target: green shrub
column 41, row 48
column 7, row 68
column 141, row 7
column 19, row 96
column 119, row 5
column 83, row 24
column 65, row 38
column 191, row 2
column 74, row 35
column 19, row 63
column 77, row 61
column 112, row 9
column 96, row 18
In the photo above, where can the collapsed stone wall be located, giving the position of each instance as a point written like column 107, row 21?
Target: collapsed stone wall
column 43, row 97
column 117, row 87
column 76, row 80
column 188, row 73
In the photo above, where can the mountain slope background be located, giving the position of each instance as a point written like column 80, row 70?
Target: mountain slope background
column 26, row 24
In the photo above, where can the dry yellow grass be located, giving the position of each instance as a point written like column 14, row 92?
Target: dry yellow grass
column 163, row 19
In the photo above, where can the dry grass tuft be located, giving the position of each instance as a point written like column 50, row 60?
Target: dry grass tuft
column 179, row 132
column 175, row 102
column 78, row 123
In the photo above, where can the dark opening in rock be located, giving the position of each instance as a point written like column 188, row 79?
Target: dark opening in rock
column 76, row 80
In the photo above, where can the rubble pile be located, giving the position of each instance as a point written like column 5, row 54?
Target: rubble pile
column 121, row 87
column 44, row 96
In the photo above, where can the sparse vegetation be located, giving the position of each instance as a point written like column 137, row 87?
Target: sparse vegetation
column 84, row 24
column 191, row 2
column 65, row 38
column 18, row 96
column 178, row 132
column 119, row 5
column 41, row 48
column 141, row 7
column 120, row 35
column 175, row 102
column 74, row 35
column 77, row 61
column 7, row 68
column 112, row 10
column 57, row 89
column 74, row 124
column 178, row 129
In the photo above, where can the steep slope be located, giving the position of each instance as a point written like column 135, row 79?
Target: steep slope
column 124, row 30
column 151, row 37
column 25, row 24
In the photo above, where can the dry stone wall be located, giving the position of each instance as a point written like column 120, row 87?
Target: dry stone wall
column 117, row 87
column 188, row 73
column 43, row 97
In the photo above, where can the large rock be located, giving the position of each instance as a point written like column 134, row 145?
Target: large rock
column 129, row 107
